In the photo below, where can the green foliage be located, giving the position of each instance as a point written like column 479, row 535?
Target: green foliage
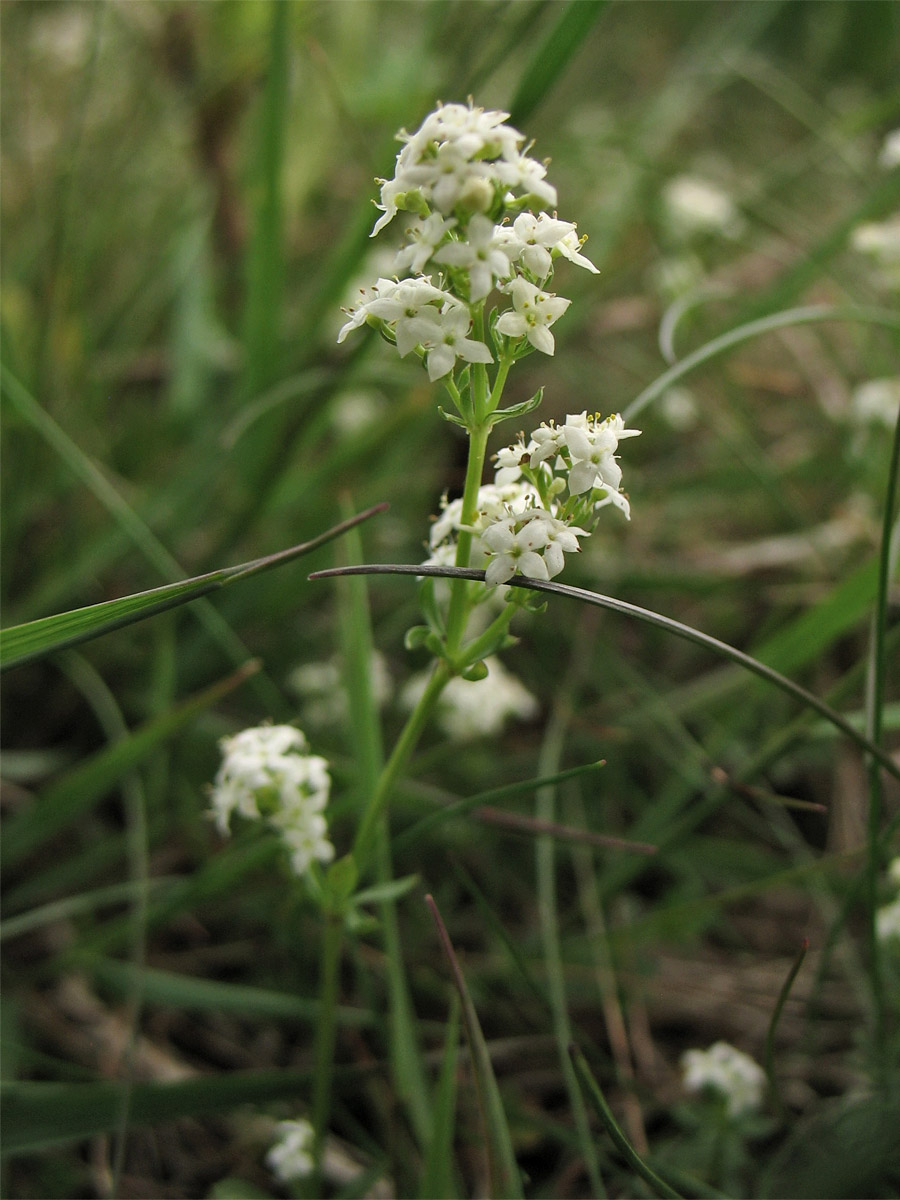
column 187, row 204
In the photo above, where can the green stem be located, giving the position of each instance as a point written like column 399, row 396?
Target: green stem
column 367, row 833
column 874, row 728
column 481, row 645
column 499, row 384
column 326, row 1033
column 459, row 608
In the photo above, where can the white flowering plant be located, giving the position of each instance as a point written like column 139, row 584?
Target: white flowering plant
column 472, row 296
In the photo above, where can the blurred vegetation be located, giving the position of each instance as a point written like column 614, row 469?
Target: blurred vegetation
column 186, row 203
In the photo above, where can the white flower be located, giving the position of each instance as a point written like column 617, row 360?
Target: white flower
column 535, row 312
column 481, row 254
column 410, row 310
column 493, row 502
column 887, row 921
column 528, row 176
column 569, row 246
column 730, row 1072
column 358, row 313
column 320, row 686
column 532, row 240
column 529, row 543
column 423, row 239
column 696, row 207
column 877, row 401
column 470, row 709
column 291, row 1155
column 879, row 239
column 446, row 341
column 889, row 156
column 268, row 771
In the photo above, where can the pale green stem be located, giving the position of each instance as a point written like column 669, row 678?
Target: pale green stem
column 459, row 607
column 477, row 648
column 499, row 384
column 367, row 833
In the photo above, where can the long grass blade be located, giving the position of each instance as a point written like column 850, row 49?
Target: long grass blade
column 687, row 632
column 35, row 639
column 502, row 1167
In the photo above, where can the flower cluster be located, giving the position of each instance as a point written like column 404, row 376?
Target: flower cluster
column 481, row 225
column 290, row 1157
column 730, row 1072
column 477, row 708
column 547, row 492
column 269, row 773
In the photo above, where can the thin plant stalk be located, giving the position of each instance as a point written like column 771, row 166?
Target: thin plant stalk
column 874, row 730
column 773, row 1024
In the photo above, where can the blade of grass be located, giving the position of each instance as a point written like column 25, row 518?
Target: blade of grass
column 172, row 990
column 137, row 530
column 503, row 1170
column 265, row 259
column 62, row 802
column 553, row 55
column 460, row 808
column 437, row 1182
column 35, row 639
column 687, row 632
column 38, row 1115
column 618, row 1138
column 752, row 329
column 549, row 758
column 773, row 1025
column 365, row 733
column 875, row 697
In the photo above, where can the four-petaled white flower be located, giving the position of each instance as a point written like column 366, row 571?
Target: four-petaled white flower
column 529, row 543
column 533, row 238
column 535, row 311
column 446, row 341
column 424, row 238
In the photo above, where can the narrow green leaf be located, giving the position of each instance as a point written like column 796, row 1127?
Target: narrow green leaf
column 203, row 995
column 459, row 808
column 620, row 1141
column 265, row 261
column 68, row 798
column 438, row 1175
column 687, row 632
column 810, row 314
column 554, row 55
column 35, row 639
column 503, row 1170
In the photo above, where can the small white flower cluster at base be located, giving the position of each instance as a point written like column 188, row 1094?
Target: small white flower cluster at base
column 734, row 1075
column 268, row 772
column 290, row 1157
column 476, row 708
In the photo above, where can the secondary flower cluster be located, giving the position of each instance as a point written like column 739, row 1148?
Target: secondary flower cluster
column 480, row 203
column 729, row 1072
column 290, row 1157
column 268, row 772
column 546, row 494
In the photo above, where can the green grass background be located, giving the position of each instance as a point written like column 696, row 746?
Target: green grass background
column 187, row 197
